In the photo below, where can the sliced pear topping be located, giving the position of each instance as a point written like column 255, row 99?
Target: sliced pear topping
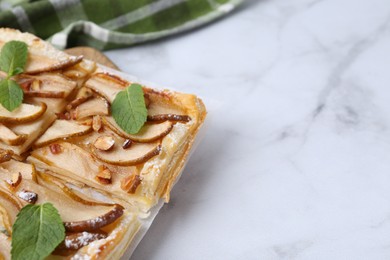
column 62, row 129
column 95, row 223
column 9, row 137
column 106, row 85
column 169, row 117
column 138, row 153
column 76, row 241
column 104, row 142
column 41, row 55
column 148, row 133
column 46, row 178
column 24, row 113
column 97, row 106
column 83, row 95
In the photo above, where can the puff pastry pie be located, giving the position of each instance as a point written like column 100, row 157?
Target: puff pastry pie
column 63, row 146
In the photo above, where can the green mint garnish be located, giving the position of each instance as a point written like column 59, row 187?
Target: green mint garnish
column 129, row 110
column 37, row 231
column 13, row 58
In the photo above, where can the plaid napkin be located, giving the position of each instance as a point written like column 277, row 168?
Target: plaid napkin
column 108, row 24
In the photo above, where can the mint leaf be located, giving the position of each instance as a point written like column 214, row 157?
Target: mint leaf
column 37, row 231
column 13, row 57
column 129, row 110
column 11, row 95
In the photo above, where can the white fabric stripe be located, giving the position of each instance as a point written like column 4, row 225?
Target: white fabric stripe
column 128, row 38
column 140, row 14
column 62, row 13
column 60, row 39
column 23, row 19
column 213, row 4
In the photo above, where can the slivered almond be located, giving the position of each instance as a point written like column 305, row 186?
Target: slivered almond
column 15, row 181
column 96, row 123
column 104, row 143
column 131, row 183
column 104, row 175
column 127, row 144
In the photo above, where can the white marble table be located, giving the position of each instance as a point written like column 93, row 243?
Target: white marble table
column 294, row 163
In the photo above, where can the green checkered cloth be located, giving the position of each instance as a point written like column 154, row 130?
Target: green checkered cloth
column 108, row 24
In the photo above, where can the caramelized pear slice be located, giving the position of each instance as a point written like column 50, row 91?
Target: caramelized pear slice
column 169, row 117
column 75, row 241
column 9, row 137
column 108, row 86
column 41, row 55
column 93, row 107
column 95, row 223
column 24, row 113
column 62, row 129
column 138, row 153
column 50, row 180
column 47, row 85
column 148, row 133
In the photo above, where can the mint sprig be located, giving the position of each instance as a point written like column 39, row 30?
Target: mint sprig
column 129, row 110
column 13, row 59
column 37, row 231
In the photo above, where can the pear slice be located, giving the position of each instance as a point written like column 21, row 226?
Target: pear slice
column 148, row 133
column 9, row 137
column 93, row 107
column 47, row 85
column 62, row 129
column 95, row 223
column 75, row 241
column 138, row 153
column 5, row 247
column 41, row 55
column 77, row 217
column 24, row 113
column 106, row 85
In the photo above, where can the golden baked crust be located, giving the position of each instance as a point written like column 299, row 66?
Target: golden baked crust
column 136, row 173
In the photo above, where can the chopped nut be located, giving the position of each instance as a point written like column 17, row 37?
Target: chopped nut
column 74, row 74
column 63, row 116
column 29, row 196
column 104, row 175
column 35, row 85
column 104, row 143
column 131, row 183
column 127, row 144
column 55, row 148
column 26, row 83
column 15, row 181
column 5, row 155
column 83, row 95
column 96, row 123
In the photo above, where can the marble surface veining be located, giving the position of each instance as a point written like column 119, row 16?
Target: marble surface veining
column 294, row 160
